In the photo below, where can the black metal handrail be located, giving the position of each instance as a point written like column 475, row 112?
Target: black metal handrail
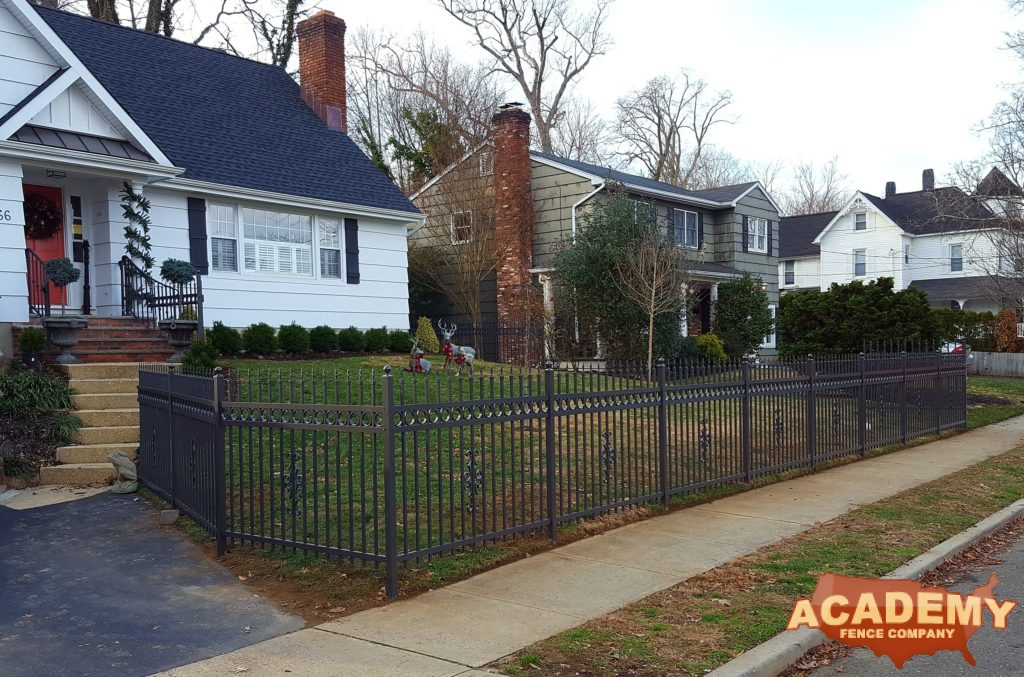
column 38, row 285
column 152, row 301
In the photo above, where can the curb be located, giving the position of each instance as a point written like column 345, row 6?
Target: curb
column 781, row 651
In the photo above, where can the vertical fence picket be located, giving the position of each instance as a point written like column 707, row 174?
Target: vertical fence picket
column 745, row 422
column 663, row 470
column 219, row 471
column 390, row 499
column 862, row 406
column 549, row 449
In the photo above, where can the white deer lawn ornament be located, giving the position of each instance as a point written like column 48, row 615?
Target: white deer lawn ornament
column 461, row 355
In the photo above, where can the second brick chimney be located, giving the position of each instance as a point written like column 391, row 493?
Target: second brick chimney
column 890, row 189
column 513, row 216
column 928, row 180
column 322, row 67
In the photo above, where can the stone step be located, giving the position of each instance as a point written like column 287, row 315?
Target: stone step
column 119, row 434
column 94, row 453
column 118, row 356
column 78, row 473
column 105, row 418
column 120, row 369
column 103, row 401
column 105, row 386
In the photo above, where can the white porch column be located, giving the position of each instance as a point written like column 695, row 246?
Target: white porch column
column 549, row 315
column 13, row 281
column 105, row 223
column 684, row 317
column 714, row 303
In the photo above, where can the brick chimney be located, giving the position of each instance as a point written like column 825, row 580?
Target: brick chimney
column 928, row 179
column 890, row 189
column 513, row 216
column 322, row 67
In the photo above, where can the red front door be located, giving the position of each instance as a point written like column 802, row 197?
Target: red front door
column 47, row 201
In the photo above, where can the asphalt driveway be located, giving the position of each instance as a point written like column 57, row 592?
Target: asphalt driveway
column 96, row 587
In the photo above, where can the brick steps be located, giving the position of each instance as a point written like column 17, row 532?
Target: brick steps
column 115, row 339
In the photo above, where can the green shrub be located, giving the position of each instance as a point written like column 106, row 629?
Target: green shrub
column 427, row 337
column 24, row 393
column 293, row 339
column 226, row 340
column 711, row 348
column 32, row 340
column 322, row 339
column 259, row 339
column 399, row 341
column 351, row 340
column 683, row 348
column 201, row 358
column 178, row 272
column 377, row 340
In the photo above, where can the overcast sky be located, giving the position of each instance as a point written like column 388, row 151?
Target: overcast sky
column 891, row 87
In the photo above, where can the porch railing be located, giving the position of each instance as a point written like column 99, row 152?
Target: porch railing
column 38, row 285
column 152, row 301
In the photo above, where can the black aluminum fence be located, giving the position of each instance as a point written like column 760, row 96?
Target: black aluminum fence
column 392, row 468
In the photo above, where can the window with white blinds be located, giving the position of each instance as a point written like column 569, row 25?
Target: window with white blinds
column 330, row 246
column 223, row 238
column 277, row 243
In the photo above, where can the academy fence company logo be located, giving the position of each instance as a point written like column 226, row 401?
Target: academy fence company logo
column 899, row 618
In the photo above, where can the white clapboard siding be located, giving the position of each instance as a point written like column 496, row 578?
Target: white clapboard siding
column 24, row 64
column 71, row 110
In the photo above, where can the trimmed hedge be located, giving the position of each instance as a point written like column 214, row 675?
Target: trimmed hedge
column 322, row 339
column 226, row 340
column 259, row 339
column 399, row 341
column 351, row 340
column 293, row 339
column 377, row 340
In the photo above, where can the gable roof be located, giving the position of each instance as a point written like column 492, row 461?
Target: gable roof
column 997, row 184
column 797, row 234
column 720, row 196
column 927, row 212
column 225, row 119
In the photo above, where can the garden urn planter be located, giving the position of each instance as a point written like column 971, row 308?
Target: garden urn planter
column 63, row 333
column 179, row 335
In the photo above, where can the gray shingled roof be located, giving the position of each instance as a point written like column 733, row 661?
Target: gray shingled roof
column 797, row 233
column 721, row 194
column 955, row 288
column 925, row 212
column 225, row 119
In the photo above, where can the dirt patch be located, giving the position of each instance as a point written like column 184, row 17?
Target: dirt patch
column 980, row 400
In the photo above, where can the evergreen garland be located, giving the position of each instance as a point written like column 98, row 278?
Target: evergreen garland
column 135, row 207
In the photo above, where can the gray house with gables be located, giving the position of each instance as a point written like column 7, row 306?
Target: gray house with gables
column 539, row 200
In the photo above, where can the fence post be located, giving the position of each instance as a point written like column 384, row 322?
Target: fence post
column 904, row 414
column 219, row 472
column 862, row 406
column 663, row 430
column 390, row 499
column 812, row 412
column 937, row 395
column 170, row 434
column 549, row 447
column 745, row 421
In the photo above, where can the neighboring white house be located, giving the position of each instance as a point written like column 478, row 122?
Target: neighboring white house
column 252, row 179
column 909, row 237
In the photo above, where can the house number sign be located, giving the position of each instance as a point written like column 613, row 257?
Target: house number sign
column 10, row 212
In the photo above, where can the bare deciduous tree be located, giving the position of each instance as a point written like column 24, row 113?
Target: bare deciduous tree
column 581, row 133
column 544, row 45
column 664, row 126
column 816, row 189
column 718, row 167
column 655, row 275
column 453, row 253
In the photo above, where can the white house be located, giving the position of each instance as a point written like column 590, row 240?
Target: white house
column 933, row 239
column 251, row 178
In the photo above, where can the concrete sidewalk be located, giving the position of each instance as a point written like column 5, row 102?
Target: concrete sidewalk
column 467, row 625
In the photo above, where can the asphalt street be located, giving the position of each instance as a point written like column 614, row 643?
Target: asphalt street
column 999, row 653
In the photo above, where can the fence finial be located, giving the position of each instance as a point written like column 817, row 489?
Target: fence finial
column 548, row 364
column 661, row 361
column 387, row 370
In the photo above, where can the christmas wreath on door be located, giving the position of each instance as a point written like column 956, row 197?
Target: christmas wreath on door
column 43, row 217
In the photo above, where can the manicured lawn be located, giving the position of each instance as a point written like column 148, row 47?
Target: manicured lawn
column 992, row 399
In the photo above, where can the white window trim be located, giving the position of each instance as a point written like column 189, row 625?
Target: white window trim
column 451, row 228
column 696, row 229
column 486, row 168
column 854, row 259
column 855, row 228
column 961, row 257
column 785, row 264
column 752, row 234
column 906, row 254
column 241, row 272
column 209, row 229
column 770, row 339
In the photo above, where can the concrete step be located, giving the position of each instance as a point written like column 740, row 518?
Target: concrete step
column 78, row 473
column 99, row 371
column 94, row 453
column 105, row 386
column 119, row 434
column 105, row 418
column 126, row 400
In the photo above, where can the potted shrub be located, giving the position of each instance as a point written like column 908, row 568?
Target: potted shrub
column 179, row 329
column 63, row 331
column 31, row 342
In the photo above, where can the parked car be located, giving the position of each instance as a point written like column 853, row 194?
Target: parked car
column 956, row 348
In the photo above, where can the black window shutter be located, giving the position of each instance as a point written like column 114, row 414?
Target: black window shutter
column 700, row 230
column 198, row 255
column 352, row 251
column 771, row 224
column 745, row 234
